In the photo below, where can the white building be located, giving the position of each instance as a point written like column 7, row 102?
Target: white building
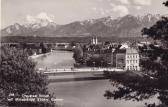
column 124, row 46
column 132, row 59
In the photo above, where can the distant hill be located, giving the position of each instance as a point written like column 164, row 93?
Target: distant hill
column 127, row 26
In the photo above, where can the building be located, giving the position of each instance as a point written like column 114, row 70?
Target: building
column 120, row 59
column 124, row 46
column 127, row 59
column 94, row 41
column 132, row 59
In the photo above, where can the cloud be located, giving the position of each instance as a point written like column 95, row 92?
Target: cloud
column 124, row 1
column 138, row 7
column 30, row 19
column 94, row 8
column 100, row 0
column 101, row 11
column 41, row 17
column 113, row 9
column 112, row 4
column 120, row 9
column 142, row 2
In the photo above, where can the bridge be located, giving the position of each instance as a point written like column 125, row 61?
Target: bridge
column 78, row 70
column 76, row 74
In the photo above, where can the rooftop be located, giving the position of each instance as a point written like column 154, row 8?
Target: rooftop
column 131, row 51
column 120, row 51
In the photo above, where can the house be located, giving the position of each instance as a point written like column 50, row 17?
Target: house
column 127, row 59
column 132, row 59
column 124, row 46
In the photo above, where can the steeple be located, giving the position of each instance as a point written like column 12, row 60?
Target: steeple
column 94, row 40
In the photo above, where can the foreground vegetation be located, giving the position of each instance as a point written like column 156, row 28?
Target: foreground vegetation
column 19, row 76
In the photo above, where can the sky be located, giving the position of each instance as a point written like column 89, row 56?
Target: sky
column 66, row 11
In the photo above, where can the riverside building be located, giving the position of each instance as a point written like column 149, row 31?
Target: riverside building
column 132, row 59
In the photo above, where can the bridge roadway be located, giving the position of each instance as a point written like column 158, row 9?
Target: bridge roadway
column 78, row 70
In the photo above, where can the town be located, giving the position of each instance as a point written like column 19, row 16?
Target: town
column 106, row 54
column 124, row 56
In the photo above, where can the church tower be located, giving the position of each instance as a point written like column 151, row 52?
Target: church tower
column 94, row 40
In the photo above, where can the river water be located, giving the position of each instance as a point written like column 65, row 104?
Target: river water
column 56, row 59
column 80, row 93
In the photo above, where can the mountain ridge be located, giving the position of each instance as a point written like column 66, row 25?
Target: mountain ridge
column 127, row 26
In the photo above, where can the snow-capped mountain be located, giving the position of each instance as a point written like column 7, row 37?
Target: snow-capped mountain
column 41, row 23
column 127, row 26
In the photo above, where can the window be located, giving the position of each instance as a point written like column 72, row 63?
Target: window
column 128, row 61
column 133, row 67
column 130, row 67
column 137, row 56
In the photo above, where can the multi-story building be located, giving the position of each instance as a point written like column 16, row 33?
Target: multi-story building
column 132, row 59
column 127, row 59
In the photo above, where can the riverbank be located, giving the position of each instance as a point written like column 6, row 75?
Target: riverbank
column 86, row 76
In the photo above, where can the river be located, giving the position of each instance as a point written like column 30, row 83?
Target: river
column 80, row 93
column 56, row 59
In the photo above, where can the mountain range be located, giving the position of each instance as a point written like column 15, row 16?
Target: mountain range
column 127, row 26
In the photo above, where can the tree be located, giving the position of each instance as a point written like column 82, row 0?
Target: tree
column 156, row 66
column 166, row 3
column 73, row 43
column 43, row 47
column 18, row 74
column 78, row 53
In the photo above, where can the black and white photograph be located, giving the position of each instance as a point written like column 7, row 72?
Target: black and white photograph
column 84, row 53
